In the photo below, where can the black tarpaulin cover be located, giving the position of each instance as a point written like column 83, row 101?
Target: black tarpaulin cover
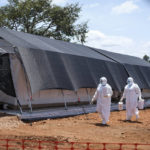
column 54, row 64
column 137, row 68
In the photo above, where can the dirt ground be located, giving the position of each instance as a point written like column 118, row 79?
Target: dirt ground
column 83, row 128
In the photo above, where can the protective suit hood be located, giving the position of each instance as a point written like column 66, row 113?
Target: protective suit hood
column 130, row 81
column 103, row 81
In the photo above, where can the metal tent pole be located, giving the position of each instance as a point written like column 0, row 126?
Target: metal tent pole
column 20, row 108
column 65, row 103
column 88, row 95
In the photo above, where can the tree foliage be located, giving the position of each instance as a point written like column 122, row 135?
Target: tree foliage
column 42, row 17
column 147, row 58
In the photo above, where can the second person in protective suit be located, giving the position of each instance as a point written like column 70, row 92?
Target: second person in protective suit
column 103, row 96
column 131, row 93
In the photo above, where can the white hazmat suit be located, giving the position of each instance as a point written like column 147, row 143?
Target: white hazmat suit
column 103, row 96
column 131, row 93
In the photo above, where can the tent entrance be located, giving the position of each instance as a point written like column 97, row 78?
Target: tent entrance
column 7, row 91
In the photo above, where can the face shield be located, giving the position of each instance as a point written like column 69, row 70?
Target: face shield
column 103, row 81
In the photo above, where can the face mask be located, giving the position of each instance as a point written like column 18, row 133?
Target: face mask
column 129, row 83
column 104, row 83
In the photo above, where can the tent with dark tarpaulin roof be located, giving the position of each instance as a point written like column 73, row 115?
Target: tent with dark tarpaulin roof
column 37, row 64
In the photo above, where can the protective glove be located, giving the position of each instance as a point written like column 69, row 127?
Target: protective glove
column 140, row 98
column 121, row 99
column 108, row 95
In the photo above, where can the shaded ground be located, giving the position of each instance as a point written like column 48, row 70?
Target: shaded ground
column 82, row 128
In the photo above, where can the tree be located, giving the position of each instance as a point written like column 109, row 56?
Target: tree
column 41, row 17
column 147, row 58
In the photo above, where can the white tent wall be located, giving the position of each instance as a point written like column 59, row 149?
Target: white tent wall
column 56, row 96
column 82, row 95
column 19, row 80
column 69, row 96
column 48, row 97
column 146, row 93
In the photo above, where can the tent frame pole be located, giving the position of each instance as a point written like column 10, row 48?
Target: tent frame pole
column 89, row 97
column 20, row 108
column 30, row 105
column 65, row 103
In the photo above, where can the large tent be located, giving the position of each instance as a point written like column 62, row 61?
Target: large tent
column 40, row 71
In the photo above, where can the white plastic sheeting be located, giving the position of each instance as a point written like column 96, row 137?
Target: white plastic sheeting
column 146, row 93
column 83, row 94
column 47, row 97
column 69, row 96
column 55, row 96
column 19, row 80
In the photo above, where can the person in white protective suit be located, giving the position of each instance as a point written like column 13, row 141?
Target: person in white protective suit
column 103, row 96
column 131, row 93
